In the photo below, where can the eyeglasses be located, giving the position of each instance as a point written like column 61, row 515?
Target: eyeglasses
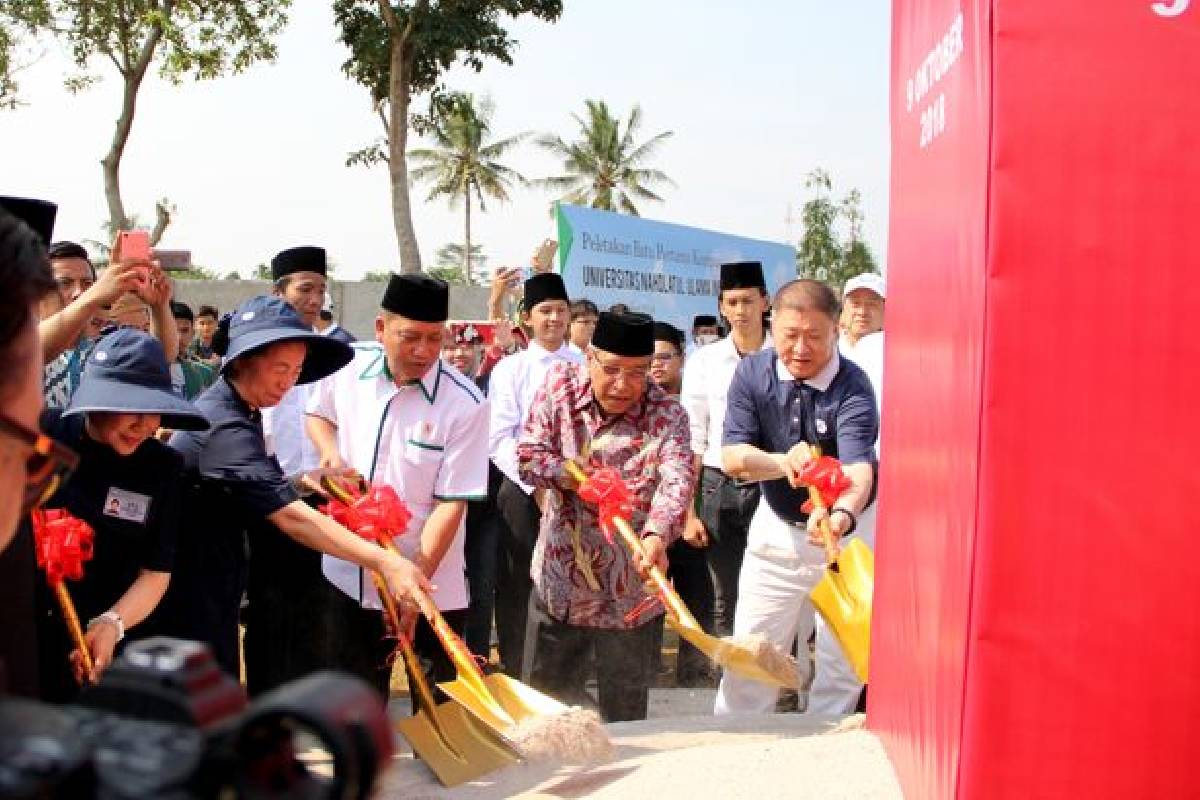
column 46, row 468
column 633, row 374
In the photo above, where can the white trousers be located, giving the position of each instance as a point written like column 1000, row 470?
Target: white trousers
column 779, row 571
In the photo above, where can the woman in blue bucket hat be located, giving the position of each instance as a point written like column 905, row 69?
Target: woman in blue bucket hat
column 232, row 484
column 126, row 488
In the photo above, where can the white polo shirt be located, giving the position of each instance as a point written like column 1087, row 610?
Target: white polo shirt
column 514, row 382
column 286, row 438
column 424, row 439
column 706, row 378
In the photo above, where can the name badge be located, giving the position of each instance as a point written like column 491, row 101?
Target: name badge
column 129, row 506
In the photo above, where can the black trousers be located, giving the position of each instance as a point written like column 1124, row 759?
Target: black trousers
column 689, row 572
column 624, row 659
column 481, row 548
column 725, row 510
column 518, row 536
column 362, row 648
column 289, row 615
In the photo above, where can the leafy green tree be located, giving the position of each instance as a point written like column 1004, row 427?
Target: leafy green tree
column 399, row 50
column 196, row 39
column 605, row 167
column 824, row 254
column 463, row 163
column 820, row 254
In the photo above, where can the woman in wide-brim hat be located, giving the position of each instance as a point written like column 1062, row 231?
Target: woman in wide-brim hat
column 232, row 483
column 126, row 487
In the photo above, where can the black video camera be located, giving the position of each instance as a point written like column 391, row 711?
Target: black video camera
column 166, row 722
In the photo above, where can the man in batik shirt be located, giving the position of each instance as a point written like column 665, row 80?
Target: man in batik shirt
column 589, row 592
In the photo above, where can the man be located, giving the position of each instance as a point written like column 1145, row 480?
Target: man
column 863, row 297
column 705, row 330
column 666, row 365
column 201, row 347
column 689, row 568
column 299, row 276
column 514, row 381
column 725, row 505
column 583, row 322
column 782, row 402
column 401, row 417
column 188, row 378
column 25, row 227
column 86, row 296
column 589, row 593
column 288, row 615
column 327, row 327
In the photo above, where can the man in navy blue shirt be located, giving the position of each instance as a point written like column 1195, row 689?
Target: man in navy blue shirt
column 781, row 402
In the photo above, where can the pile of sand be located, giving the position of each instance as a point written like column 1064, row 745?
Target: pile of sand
column 752, row 757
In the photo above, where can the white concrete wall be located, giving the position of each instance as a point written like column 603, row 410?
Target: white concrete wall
column 355, row 304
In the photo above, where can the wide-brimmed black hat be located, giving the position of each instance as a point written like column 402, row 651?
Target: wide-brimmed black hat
column 128, row 373
column 299, row 259
column 624, row 334
column 37, row 214
column 542, row 287
column 417, row 297
column 263, row 321
column 742, row 275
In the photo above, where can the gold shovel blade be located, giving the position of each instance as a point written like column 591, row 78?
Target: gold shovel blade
column 462, row 752
column 738, row 659
column 520, row 700
column 844, row 597
column 517, row 702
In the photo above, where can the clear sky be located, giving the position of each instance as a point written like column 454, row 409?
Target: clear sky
column 757, row 92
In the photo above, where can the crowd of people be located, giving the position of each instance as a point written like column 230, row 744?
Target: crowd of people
column 196, row 445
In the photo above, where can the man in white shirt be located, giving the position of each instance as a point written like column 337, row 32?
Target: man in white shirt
column 725, row 507
column 514, row 381
column 288, row 601
column 705, row 330
column 402, row 417
column 862, row 309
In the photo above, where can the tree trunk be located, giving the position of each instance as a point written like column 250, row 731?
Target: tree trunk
column 111, row 163
column 467, row 250
column 398, row 96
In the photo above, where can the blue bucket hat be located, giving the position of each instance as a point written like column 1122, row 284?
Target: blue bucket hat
column 263, row 321
column 127, row 373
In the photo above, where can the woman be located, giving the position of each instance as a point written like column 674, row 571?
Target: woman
column 232, row 484
column 126, row 488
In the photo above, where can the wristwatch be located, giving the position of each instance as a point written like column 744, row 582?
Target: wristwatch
column 848, row 513
column 112, row 618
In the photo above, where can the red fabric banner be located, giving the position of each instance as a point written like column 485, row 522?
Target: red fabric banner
column 1038, row 598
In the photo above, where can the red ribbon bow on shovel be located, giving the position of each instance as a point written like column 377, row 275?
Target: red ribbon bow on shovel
column 607, row 489
column 63, row 543
column 826, row 476
column 375, row 514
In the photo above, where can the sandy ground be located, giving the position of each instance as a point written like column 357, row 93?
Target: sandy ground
column 692, row 757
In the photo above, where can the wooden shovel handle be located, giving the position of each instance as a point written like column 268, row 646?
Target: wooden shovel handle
column 71, row 617
column 832, row 551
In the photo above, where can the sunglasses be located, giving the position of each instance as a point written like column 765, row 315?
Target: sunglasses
column 47, row 466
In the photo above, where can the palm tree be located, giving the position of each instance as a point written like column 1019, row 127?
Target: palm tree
column 463, row 163
column 604, row 168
